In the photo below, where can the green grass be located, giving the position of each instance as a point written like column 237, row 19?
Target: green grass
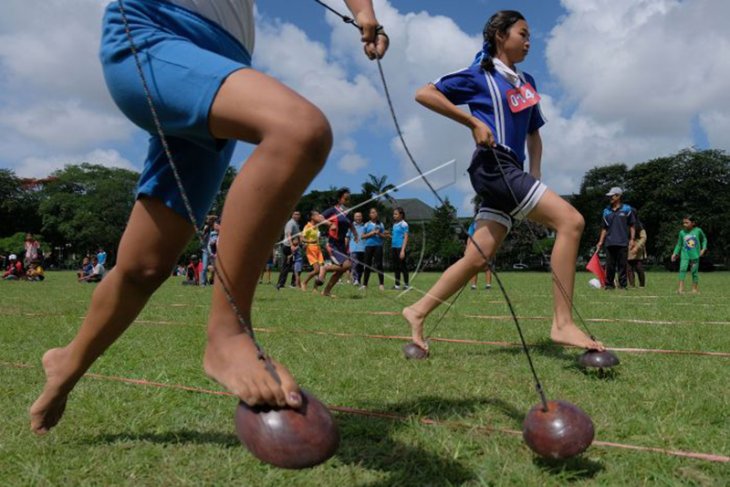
column 115, row 433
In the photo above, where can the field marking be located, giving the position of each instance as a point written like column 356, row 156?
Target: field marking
column 710, row 457
column 467, row 341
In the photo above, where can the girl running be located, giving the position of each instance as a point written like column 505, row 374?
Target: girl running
column 339, row 225
column 196, row 58
column 310, row 238
column 505, row 116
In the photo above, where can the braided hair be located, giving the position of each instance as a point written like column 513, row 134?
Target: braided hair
column 500, row 22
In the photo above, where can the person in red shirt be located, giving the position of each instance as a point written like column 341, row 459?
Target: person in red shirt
column 14, row 270
column 193, row 272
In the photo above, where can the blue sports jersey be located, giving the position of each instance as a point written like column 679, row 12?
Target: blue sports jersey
column 374, row 240
column 398, row 234
column 486, row 95
column 617, row 223
column 358, row 246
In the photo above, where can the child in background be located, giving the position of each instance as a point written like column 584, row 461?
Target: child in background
column 297, row 258
column 267, row 268
column 86, row 269
column 691, row 245
column 35, row 271
column 193, row 272
column 399, row 243
column 15, row 269
column 310, row 238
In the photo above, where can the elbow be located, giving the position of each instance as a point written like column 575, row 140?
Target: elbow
column 422, row 94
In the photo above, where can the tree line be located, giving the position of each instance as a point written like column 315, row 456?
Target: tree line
column 82, row 207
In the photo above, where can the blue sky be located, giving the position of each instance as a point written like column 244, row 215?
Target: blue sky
column 610, row 72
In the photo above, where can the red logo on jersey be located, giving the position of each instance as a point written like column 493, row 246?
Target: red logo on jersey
column 522, row 98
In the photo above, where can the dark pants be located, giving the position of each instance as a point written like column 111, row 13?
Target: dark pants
column 399, row 266
column 616, row 259
column 636, row 268
column 373, row 259
column 285, row 267
column 357, row 258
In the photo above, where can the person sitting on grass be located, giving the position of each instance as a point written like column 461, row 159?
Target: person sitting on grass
column 97, row 272
column 193, row 272
column 691, row 245
column 86, row 269
column 14, row 271
column 35, row 272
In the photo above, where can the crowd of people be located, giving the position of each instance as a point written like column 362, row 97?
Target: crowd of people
column 339, row 242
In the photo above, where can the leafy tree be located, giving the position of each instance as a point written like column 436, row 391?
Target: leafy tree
column 18, row 205
column 591, row 198
column 87, row 206
column 376, row 186
column 441, row 237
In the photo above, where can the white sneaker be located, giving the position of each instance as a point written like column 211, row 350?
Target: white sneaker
column 473, row 287
column 396, row 287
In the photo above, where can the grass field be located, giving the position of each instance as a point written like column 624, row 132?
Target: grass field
column 133, row 434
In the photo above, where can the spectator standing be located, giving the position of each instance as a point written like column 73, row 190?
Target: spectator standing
column 617, row 233
column 373, row 234
column 637, row 254
column 691, row 245
column 290, row 229
column 399, row 243
column 357, row 248
column 101, row 257
column 32, row 249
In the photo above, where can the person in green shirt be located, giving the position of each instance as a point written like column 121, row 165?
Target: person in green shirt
column 691, row 245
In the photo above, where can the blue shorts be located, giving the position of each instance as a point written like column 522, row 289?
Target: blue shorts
column 185, row 59
column 508, row 193
column 338, row 253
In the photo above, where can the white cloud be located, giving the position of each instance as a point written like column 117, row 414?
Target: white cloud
column 65, row 125
column 352, row 163
column 35, row 167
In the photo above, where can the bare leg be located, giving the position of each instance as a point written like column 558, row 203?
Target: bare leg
column 294, row 139
column 489, row 236
column 556, row 213
column 338, row 271
column 148, row 250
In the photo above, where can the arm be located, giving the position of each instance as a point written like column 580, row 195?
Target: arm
column 534, row 153
column 375, row 40
column 675, row 253
column 403, row 248
column 703, row 243
column 430, row 97
column 601, row 238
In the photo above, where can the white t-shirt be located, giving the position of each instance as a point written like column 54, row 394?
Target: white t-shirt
column 235, row 16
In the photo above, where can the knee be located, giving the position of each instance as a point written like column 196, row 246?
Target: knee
column 145, row 276
column 573, row 224
column 306, row 132
column 476, row 262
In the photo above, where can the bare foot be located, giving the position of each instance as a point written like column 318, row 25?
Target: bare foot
column 569, row 334
column 48, row 408
column 416, row 322
column 233, row 362
column 304, row 287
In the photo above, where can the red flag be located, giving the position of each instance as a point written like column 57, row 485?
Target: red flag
column 594, row 266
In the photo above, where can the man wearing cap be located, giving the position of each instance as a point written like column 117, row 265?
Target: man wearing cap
column 617, row 232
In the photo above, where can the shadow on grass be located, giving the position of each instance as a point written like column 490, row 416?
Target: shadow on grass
column 370, row 442
column 180, row 437
column 571, row 470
